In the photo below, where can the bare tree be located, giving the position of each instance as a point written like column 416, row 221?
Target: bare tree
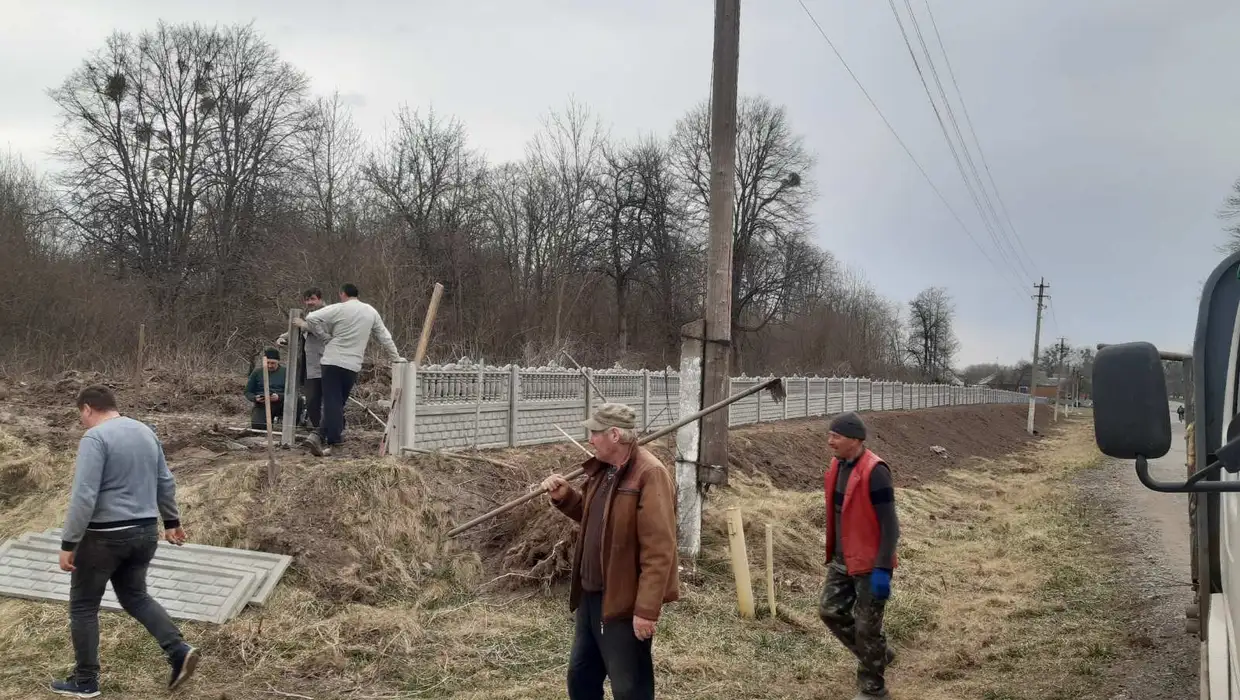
column 637, row 222
column 1230, row 212
column 769, row 249
column 932, row 342
column 328, row 166
column 170, row 139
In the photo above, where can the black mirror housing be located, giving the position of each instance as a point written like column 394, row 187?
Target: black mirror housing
column 1132, row 416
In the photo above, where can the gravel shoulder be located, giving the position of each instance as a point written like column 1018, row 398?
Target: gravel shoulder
column 1149, row 532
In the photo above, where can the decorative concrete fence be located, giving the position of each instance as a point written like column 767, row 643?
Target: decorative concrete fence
column 456, row 406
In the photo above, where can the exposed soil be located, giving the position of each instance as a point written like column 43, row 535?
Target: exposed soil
column 197, row 417
column 794, row 453
column 1150, row 531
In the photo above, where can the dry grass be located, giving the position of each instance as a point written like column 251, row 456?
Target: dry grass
column 996, row 568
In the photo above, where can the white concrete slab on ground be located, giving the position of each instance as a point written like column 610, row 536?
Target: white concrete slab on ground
column 260, row 574
column 269, row 567
column 31, row 570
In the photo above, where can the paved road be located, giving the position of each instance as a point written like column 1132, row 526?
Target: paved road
column 1151, row 529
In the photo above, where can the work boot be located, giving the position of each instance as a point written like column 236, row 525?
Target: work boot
column 317, row 448
column 183, row 661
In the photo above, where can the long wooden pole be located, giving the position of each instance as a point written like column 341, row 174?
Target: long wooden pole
column 273, row 472
column 140, row 365
column 774, row 383
column 718, row 307
column 423, row 341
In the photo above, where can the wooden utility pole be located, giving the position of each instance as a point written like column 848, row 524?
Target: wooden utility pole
column 1063, row 351
column 1033, row 369
column 718, row 347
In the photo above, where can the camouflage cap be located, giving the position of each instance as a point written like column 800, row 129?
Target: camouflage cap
column 611, row 415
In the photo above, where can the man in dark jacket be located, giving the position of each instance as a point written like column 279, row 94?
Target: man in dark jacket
column 625, row 560
column 277, row 378
column 862, row 532
column 121, row 488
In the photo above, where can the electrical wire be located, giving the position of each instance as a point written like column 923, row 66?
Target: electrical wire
column 980, row 201
column 963, row 227
column 977, row 142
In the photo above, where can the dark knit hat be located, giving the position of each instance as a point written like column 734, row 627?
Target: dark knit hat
column 271, row 354
column 848, row 425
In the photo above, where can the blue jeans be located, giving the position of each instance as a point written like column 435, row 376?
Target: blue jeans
column 122, row 557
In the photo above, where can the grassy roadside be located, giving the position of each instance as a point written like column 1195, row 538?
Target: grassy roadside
column 996, row 598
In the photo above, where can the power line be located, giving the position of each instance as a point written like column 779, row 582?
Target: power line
column 977, row 142
column 908, row 152
column 951, row 118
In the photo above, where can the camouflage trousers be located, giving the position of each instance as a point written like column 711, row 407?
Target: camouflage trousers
column 855, row 617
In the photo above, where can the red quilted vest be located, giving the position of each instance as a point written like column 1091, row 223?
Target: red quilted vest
column 861, row 535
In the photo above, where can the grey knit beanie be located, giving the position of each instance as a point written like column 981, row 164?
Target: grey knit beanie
column 848, row 425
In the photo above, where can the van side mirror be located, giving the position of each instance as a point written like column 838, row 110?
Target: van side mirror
column 1132, row 416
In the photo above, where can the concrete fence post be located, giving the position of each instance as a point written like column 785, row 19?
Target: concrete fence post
column 396, row 441
column 759, row 398
column 806, row 380
column 646, row 395
column 588, row 392
column 514, row 388
column 785, row 402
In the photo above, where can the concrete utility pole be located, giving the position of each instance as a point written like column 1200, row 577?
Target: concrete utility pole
column 1033, row 369
column 716, row 383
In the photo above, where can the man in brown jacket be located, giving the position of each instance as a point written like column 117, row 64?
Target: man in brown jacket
column 625, row 561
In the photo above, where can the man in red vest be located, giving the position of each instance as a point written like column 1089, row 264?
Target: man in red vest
column 862, row 531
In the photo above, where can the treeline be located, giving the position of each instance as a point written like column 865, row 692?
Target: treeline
column 201, row 186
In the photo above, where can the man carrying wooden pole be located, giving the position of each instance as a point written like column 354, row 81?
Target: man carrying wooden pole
column 627, row 512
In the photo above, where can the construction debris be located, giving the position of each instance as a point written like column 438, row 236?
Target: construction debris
column 192, row 581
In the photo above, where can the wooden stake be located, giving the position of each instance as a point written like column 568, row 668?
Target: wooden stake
column 139, row 366
column 426, row 325
column 418, row 356
column 740, row 563
column 273, row 471
column 770, row 569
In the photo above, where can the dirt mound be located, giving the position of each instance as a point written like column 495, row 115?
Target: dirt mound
column 533, row 543
column 794, row 454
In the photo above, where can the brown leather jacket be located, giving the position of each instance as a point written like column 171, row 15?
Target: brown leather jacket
column 640, row 562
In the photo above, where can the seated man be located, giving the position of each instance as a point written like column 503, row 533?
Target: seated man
column 276, row 380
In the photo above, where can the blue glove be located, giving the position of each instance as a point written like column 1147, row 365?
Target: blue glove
column 880, row 583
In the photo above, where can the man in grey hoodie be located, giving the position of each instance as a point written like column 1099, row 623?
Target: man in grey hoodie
column 350, row 325
column 309, row 370
column 121, row 488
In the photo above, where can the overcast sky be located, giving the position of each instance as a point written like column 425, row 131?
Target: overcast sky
column 1112, row 127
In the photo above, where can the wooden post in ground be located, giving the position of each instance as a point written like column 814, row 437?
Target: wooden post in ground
column 292, row 387
column 273, row 471
column 740, row 563
column 770, row 569
column 139, row 375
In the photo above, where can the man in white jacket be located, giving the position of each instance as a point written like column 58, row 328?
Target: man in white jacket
column 350, row 324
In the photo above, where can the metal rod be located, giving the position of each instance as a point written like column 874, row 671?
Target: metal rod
column 1163, row 354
